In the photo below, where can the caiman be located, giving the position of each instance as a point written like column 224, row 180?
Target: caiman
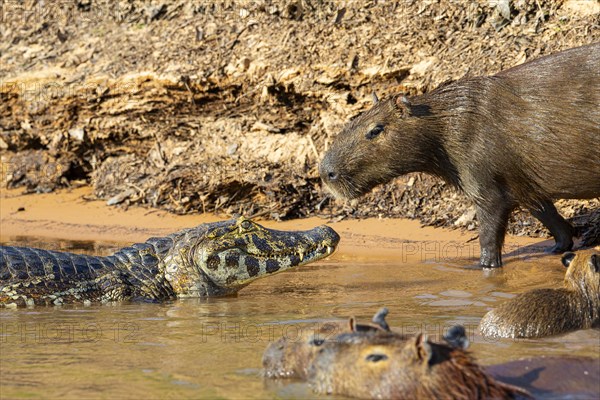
column 212, row 259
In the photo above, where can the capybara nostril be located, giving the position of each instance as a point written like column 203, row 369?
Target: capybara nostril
column 328, row 173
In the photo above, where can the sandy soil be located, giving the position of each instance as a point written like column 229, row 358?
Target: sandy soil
column 76, row 215
column 227, row 107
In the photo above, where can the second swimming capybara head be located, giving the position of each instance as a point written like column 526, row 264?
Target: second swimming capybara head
column 389, row 368
column 583, row 277
column 583, row 273
column 378, row 145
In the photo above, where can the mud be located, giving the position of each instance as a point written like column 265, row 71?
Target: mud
column 210, row 108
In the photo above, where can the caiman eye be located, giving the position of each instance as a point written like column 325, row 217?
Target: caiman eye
column 246, row 224
column 316, row 341
column 374, row 132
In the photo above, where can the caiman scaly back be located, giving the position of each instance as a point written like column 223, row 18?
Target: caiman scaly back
column 208, row 260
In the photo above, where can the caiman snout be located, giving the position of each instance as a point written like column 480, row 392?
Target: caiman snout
column 327, row 237
column 242, row 251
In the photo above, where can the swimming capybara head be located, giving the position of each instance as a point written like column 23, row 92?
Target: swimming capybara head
column 290, row 357
column 378, row 145
column 583, row 272
column 391, row 367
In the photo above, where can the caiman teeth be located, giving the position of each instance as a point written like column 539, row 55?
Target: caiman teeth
column 302, row 254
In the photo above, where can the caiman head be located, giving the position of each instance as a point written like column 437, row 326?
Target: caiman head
column 224, row 257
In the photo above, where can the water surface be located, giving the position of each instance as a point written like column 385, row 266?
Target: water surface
column 213, row 348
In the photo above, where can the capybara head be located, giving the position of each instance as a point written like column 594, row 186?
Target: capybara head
column 378, row 145
column 583, row 274
column 289, row 357
column 390, row 366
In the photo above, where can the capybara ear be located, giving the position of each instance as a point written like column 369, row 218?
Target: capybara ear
column 403, row 105
column 352, row 323
column 595, row 262
column 379, row 319
column 567, row 258
column 457, row 337
column 423, row 348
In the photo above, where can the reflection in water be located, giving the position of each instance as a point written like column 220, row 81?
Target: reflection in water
column 213, row 347
column 72, row 246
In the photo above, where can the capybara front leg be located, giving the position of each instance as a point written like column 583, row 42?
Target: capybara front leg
column 493, row 219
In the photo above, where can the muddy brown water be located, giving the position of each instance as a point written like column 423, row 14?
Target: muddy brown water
column 213, row 348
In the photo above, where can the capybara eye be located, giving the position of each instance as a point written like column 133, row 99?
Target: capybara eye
column 374, row 132
column 567, row 258
column 376, row 357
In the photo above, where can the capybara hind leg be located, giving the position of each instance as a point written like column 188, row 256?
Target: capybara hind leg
column 493, row 219
column 562, row 231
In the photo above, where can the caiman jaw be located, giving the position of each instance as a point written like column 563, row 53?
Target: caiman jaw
column 248, row 251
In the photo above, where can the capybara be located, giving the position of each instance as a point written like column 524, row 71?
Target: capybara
column 523, row 137
column 544, row 312
column 290, row 357
column 386, row 368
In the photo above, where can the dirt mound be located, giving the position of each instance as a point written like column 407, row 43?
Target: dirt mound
column 228, row 106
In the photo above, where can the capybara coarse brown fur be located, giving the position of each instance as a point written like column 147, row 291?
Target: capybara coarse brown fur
column 545, row 312
column 290, row 357
column 525, row 136
column 417, row 368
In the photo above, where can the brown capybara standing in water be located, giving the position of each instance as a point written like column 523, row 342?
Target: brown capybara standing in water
column 386, row 368
column 525, row 136
column 545, row 312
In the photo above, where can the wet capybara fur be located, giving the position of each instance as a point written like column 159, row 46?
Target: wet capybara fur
column 523, row 137
column 417, row 368
column 545, row 312
column 290, row 357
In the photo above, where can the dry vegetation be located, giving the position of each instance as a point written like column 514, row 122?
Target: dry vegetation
column 227, row 106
